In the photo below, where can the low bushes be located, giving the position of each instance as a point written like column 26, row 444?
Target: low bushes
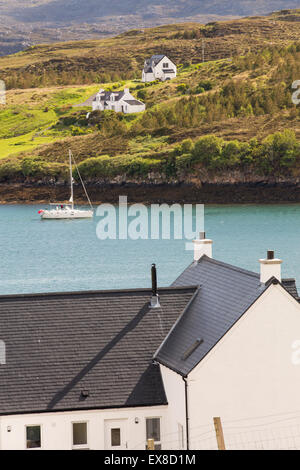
column 278, row 154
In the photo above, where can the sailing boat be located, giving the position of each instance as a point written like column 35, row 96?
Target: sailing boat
column 67, row 211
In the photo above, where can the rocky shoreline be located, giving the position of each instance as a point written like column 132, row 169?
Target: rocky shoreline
column 206, row 193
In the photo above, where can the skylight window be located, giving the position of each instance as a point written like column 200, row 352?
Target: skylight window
column 191, row 349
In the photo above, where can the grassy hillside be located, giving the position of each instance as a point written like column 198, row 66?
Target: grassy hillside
column 230, row 115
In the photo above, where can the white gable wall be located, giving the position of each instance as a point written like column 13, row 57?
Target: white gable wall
column 56, row 428
column 249, row 375
column 158, row 71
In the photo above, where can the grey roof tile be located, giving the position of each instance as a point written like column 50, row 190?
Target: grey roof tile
column 290, row 286
column 134, row 102
column 60, row 344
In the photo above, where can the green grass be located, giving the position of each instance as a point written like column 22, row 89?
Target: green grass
column 27, row 126
column 24, row 143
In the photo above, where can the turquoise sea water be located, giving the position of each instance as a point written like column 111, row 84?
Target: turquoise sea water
column 43, row 256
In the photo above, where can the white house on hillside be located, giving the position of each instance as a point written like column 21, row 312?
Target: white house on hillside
column 119, row 101
column 159, row 67
column 112, row 369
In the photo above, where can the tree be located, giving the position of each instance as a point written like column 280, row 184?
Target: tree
column 207, row 150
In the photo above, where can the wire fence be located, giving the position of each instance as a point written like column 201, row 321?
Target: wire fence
column 270, row 432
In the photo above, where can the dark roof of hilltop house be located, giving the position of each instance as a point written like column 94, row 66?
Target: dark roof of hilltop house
column 101, row 343
column 225, row 294
column 152, row 62
column 157, row 58
column 106, row 95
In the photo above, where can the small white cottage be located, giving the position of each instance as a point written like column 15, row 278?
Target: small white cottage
column 159, row 67
column 118, row 101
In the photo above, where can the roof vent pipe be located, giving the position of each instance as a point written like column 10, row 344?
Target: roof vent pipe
column 154, row 303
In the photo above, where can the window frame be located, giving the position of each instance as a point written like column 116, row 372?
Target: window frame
column 119, row 445
column 41, row 436
column 80, row 446
column 159, row 443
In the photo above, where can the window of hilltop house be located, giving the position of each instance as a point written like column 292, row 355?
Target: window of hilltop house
column 153, row 432
column 80, row 440
column 33, row 437
column 165, row 65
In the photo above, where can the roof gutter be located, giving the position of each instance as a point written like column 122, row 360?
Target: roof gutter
column 186, row 413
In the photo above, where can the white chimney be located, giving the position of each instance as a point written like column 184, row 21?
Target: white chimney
column 126, row 91
column 270, row 267
column 202, row 246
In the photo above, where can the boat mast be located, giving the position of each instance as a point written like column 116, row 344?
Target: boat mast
column 71, row 179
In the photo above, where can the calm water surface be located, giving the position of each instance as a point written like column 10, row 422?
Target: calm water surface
column 43, row 256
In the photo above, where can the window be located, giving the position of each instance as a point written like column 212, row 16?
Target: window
column 33, row 437
column 79, row 434
column 115, row 437
column 153, row 431
column 165, row 65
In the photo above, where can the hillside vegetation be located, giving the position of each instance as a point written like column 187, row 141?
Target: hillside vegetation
column 30, row 22
column 122, row 57
column 227, row 116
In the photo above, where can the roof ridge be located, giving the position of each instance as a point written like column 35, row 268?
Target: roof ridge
column 93, row 292
column 229, row 266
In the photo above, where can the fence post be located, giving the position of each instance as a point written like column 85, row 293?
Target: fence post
column 219, row 434
column 150, row 444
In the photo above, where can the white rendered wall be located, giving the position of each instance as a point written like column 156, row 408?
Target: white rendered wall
column 56, row 428
column 251, row 379
column 158, row 72
column 175, row 391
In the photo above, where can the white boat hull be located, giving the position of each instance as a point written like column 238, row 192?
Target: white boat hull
column 67, row 214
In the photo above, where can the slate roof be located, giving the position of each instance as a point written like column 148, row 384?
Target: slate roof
column 290, row 286
column 60, row 344
column 134, row 102
column 106, row 95
column 152, row 62
column 156, row 58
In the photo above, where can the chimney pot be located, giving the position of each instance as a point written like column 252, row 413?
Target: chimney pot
column 202, row 246
column 270, row 267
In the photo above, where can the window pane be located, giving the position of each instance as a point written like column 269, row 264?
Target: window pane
column 116, row 437
column 33, row 437
column 153, row 428
column 79, row 434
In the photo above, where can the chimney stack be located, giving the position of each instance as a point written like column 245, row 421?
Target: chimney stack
column 270, row 267
column 202, row 246
column 154, row 303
